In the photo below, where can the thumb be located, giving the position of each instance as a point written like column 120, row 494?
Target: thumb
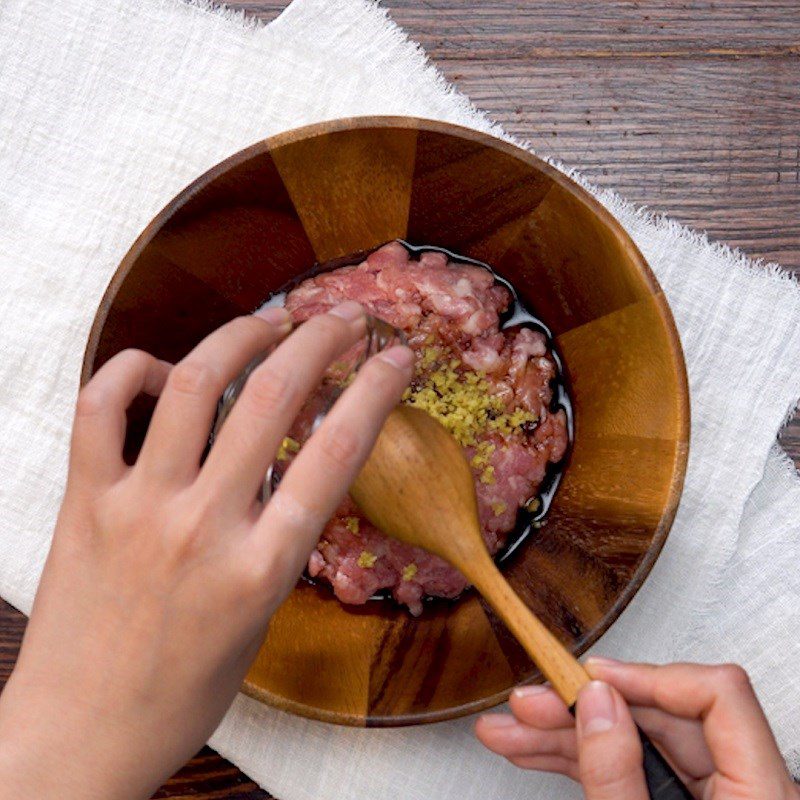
column 609, row 751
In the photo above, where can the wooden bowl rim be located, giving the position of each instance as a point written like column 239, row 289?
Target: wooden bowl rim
column 581, row 195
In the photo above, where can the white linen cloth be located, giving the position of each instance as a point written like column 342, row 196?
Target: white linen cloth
column 108, row 108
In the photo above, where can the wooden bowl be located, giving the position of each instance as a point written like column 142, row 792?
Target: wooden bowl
column 266, row 215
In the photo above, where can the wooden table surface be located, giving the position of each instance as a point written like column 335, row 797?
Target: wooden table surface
column 692, row 108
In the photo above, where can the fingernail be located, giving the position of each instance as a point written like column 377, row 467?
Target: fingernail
column 499, row 720
column 597, row 711
column 275, row 315
column 349, row 311
column 600, row 661
column 531, row 690
column 399, row 356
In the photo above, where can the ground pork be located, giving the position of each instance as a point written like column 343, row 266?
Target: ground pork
column 490, row 388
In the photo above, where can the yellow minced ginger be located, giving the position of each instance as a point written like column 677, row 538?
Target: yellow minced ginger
column 352, row 524
column 429, row 356
column 462, row 401
column 483, row 454
column 487, row 476
column 288, row 445
column 409, row 571
column 367, row 560
column 499, row 508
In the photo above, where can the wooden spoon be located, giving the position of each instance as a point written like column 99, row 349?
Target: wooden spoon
column 418, row 487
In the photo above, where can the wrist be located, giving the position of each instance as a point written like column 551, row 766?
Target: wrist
column 57, row 747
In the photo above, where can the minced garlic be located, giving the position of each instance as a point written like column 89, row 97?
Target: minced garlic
column 499, row 508
column 409, row 571
column 367, row 560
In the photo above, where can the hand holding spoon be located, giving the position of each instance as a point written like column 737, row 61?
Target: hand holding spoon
column 418, row 487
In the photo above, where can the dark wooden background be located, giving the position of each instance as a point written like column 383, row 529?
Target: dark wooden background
column 692, row 108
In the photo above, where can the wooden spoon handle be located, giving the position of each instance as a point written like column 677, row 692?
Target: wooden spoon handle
column 558, row 665
column 561, row 668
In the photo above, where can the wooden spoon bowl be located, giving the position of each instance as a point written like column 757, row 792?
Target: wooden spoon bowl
column 266, row 215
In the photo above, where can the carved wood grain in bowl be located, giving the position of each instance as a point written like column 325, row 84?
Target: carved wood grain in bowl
column 266, row 215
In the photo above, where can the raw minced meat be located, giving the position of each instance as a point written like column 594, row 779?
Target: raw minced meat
column 490, row 388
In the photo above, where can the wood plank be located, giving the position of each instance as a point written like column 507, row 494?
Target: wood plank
column 714, row 143
column 497, row 30
column 208, row 775
column 12, row 626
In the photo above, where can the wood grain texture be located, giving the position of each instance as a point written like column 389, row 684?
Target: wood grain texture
column 620, row 128
column 418, row 487
column 347, row 170
column 479, row 196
